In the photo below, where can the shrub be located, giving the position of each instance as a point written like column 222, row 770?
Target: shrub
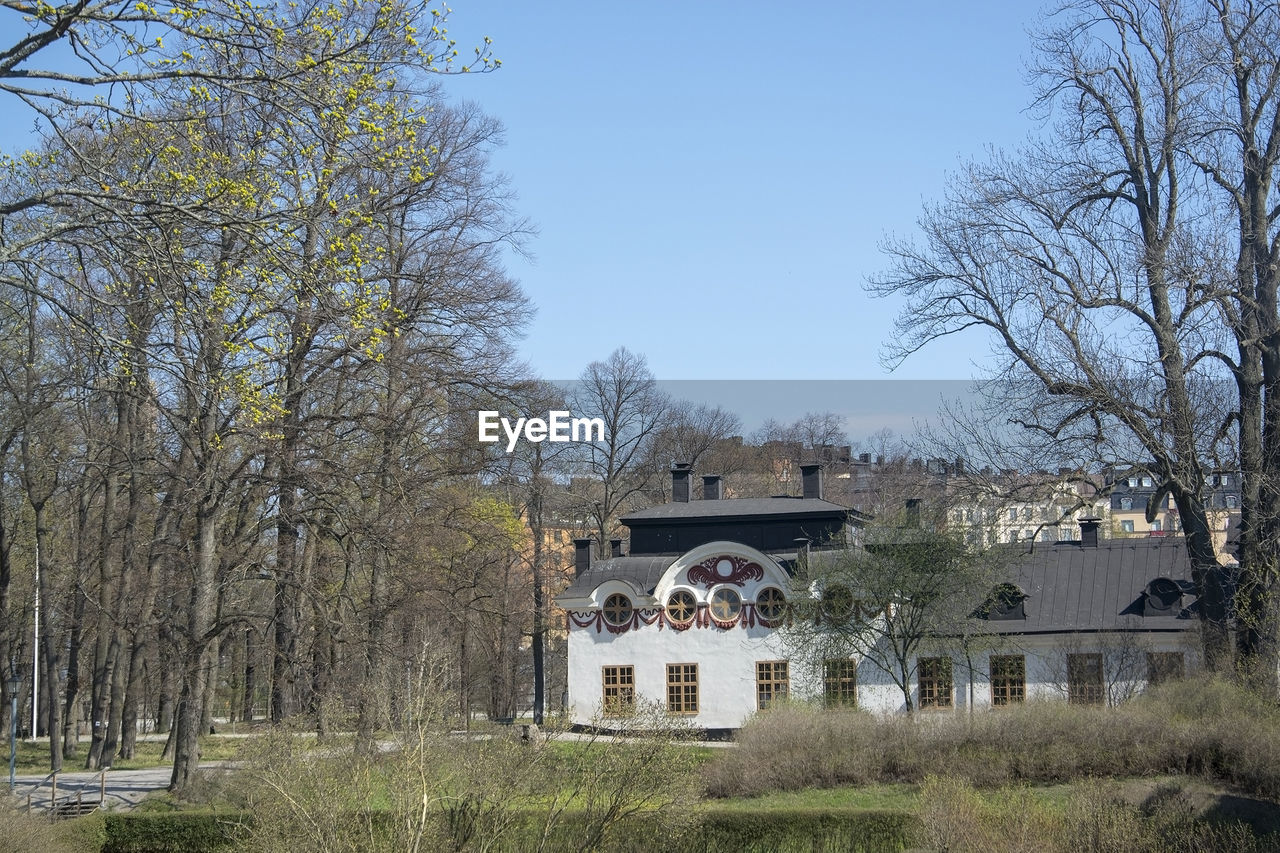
column 21, row 833
column 1207, row 727
column 170, row 832
column 956, row 817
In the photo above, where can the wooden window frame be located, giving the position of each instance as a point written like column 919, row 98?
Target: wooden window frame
column 610, row 605
column 773, row 682
column 771, row 604
column 618, row 689
column 725, row 604
column 671, row 604
column 1008, row 679
column 1086, row 684
column 840, row 683
column 935, row 684
column 682, row 690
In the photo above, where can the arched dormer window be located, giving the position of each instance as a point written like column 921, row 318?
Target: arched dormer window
column 1004, row 602
column 1162, row 597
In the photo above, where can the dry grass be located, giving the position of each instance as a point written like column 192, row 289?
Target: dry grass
column 1206, row 728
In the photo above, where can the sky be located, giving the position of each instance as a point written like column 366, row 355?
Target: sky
column 710, row 180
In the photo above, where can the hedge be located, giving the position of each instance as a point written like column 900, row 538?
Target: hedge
column 715, row 830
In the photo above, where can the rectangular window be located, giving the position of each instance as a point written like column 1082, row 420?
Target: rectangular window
column 1008, row 679
column 840, row 683
column 619, row 690
column 682, row 688
column 1084, row 680
column 771, row 682
column 933, row 677
column 1165, row 666
column 1126, row 526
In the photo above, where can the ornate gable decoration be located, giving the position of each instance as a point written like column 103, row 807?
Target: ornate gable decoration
column 725, row 569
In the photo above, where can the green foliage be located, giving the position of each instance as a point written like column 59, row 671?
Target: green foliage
column 802, row 829
column 171, row 832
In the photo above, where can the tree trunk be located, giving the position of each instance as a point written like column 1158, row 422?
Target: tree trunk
column 250, row 675
column 198, row 661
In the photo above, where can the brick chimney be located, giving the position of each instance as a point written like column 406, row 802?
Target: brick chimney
column 711, row 487
column 581, row 556
column 811, row 481
column 1089, row 532
column 680, row 482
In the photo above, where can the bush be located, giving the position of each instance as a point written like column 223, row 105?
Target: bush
column 170, row 832
column 21, row 833
column 1208, row 727
column 956, row 817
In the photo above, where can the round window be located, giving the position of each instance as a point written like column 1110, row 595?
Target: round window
column 681, row 607
column 617, row 609
column 837, row 603
column 725, row 604
column 771, row 603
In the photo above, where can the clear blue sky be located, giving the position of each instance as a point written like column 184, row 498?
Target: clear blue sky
column 712, row 178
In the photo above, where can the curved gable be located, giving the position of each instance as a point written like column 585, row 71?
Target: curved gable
column 722, row 563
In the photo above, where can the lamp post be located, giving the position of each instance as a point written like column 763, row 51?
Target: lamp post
column 14, row 684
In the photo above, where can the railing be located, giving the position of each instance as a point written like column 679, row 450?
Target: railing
column 69, row 805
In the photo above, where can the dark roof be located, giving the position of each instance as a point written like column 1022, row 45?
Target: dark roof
column 643, row 573
column 1071, row 587
column 781, row 507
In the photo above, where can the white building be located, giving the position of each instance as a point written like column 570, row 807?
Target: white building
column 695, row 618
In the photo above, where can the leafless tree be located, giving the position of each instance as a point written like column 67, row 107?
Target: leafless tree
column 1082, row 255
column 620, row 469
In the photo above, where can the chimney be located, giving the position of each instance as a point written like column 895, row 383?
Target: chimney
column 680, row 482
column 615, row 547
column 959, row 466
column 1089, row 532
column 913, row 512
column 581, row 556
column 711, row 487
column 811, row 480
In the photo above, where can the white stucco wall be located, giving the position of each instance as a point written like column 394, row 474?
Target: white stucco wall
column 726, row 657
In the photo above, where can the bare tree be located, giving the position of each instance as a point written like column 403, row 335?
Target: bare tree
column 620, row 469
column 1080, row 256
column 883, row 605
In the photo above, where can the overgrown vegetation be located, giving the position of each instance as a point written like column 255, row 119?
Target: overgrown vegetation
column 1210, row 728
column 957, row 817
column 442, row 792
column 23, row 833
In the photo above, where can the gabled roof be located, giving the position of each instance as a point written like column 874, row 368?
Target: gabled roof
column 1072, row 587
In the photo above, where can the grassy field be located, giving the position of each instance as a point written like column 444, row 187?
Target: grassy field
column 33, row 756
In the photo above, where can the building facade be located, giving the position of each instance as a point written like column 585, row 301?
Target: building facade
column 695, row 617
